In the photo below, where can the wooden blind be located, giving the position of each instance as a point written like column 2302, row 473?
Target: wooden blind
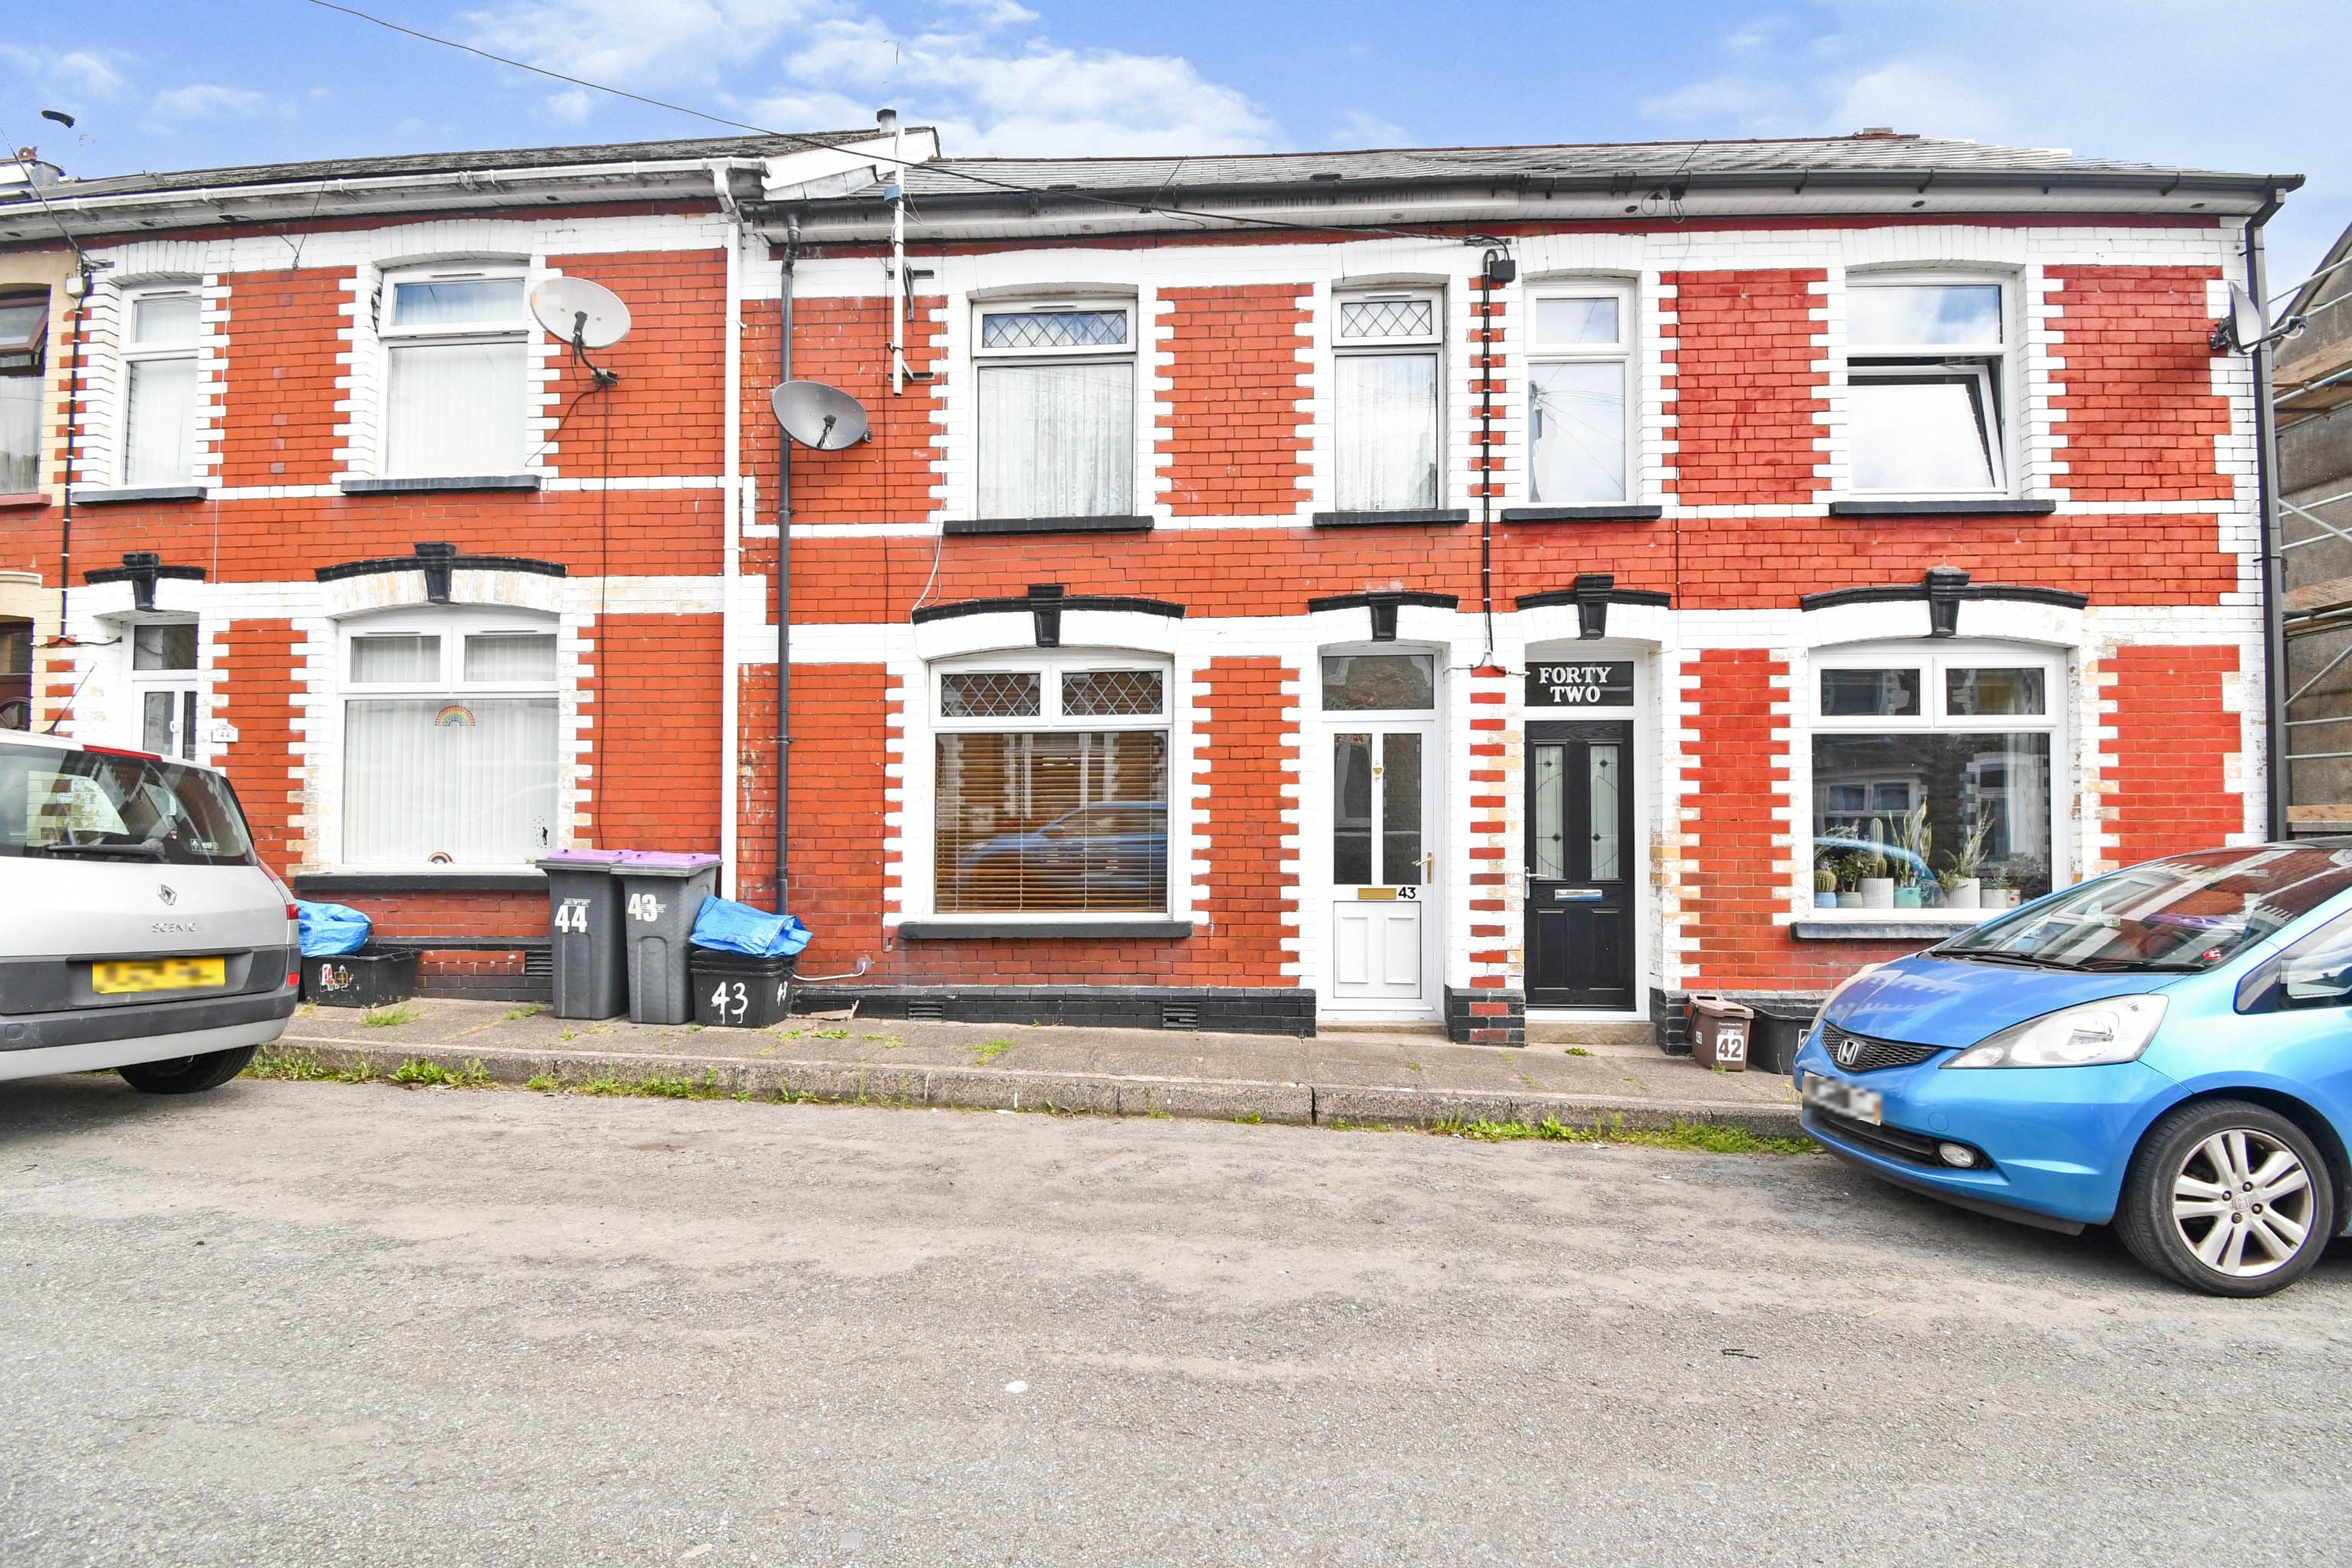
column 1068, row 821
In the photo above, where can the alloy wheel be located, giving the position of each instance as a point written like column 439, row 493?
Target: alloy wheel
column 2242, row 1202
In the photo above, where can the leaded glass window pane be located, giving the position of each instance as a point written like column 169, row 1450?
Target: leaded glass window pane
column 1362, row 320
column 1053, row 329
column 990, row 694
column 1110, row 693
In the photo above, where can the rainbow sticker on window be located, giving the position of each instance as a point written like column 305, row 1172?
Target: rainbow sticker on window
column 456, row 716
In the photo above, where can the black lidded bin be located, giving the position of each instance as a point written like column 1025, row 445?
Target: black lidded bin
column 586, row 934
column 660, row 896
column 371, row 977
column 736, row 990
column 1777, row 1034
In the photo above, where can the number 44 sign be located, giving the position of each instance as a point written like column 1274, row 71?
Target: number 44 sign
column 571, row 915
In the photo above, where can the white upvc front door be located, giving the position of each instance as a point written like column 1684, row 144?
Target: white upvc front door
column 1382, row 863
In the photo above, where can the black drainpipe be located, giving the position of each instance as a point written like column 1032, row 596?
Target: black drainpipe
column 784, row 586
column 2273, row 568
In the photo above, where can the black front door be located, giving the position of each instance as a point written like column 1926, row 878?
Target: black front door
column 1581, row 864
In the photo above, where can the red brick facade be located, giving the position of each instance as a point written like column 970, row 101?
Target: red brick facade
column 2139, row 407
column 1740, row 358
column 1233, row 430
column 2169, row 788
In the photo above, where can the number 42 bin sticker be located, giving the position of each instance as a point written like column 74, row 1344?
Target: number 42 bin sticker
column 571, row 915
column 644, row 907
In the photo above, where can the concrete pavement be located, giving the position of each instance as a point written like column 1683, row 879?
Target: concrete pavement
column 1402, row 1077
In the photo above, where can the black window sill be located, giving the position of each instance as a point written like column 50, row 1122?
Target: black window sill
column 137, row 493
column 1044, row 930
column 1389, row 519
column 1925, row 932
column 1583, row 513
column 438, row 485
column 520, row 881
column 464, row 943
column 1942, row 508
column 1047, row 525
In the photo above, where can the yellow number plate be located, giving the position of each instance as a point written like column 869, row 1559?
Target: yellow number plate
column 157, row 974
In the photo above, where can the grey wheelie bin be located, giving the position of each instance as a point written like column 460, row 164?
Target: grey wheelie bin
column 592, row 965
column 660, row 896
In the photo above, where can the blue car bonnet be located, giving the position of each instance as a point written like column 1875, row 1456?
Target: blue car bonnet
column 1950, row 1002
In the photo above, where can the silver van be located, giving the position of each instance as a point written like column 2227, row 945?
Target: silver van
column 138, row 931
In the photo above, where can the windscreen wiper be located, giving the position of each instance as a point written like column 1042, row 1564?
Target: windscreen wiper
column 142, row 850
column 1995, row 956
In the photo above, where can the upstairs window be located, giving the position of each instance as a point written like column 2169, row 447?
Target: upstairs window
column 1057, row 390
column 1052, row 788
column 1925, row 374
column 1577, row 375
column 159, row 399
column 24, row 342
column 455, row 352
column 449, row 742
column 1384, row 401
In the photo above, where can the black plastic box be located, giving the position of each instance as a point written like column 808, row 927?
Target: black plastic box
column 1779, row 1033
column 736, row 991
column 371, row 977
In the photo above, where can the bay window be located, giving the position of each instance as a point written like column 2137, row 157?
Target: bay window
column 1051, row 787
column 1933, row 779
column 159, row 381
column 456, row 353
column 1927, row 376
column 449, row 740
column 1577, row 376
column 23, row 345
column 1055, row 385
column 1385, row 380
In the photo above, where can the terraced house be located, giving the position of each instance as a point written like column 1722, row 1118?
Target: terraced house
column 1477, row 584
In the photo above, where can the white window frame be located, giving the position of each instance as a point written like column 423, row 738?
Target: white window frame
column 1431, row 344
column 391, row 336
column 24, row 360
column 1541, row 354
column 180, row 683
column 1128, row 353
column 1051, row 665
column 1997, row 369
column 1931, row 659
column 134, row 353
column 452, row 625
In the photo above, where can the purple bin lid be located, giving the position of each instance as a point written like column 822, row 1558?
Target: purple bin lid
column 660, row 863
column 581, row 857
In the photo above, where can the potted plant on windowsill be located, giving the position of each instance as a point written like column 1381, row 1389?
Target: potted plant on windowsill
column 1877, row 886
column 1963, row 887
column 1848, row 872
column 1825, row 884
column 1998, row 894
column 1914, row 837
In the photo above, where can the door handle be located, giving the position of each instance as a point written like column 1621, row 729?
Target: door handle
column 1428, row 864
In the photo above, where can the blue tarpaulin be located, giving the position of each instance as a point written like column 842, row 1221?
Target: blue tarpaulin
column 727, row 926
column 330, row 929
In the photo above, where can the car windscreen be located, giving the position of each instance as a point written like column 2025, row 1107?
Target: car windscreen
column 98, row 805
column 2187, row 912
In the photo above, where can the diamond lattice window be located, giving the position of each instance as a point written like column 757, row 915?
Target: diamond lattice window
column 990, row 694
column 1372, row 319
column 1110, row 693
column 1054, row 329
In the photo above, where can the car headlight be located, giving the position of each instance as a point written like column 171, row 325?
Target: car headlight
column 2093, row 1034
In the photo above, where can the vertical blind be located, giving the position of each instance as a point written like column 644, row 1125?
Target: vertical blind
column 1068, row 821
column 456, row 408
column 470, row 782
column 1387, row 458
column 1057, row 440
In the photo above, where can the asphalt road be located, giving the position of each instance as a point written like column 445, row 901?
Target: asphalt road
column 318, row 1324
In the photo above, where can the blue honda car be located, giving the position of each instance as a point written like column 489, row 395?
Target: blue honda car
column 2168, row 1048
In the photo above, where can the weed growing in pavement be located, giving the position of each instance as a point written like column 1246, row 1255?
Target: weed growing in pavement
column 569, row 1035
column 416, row 1070
column 1692, row 1137
column 546, row 1083
column 531, row 1012
column 829, row 1034
column 1412, row 1066
column 1252, row 1118
column 1578, row 1051
column 398, row 1013
column 301, row 1066
column 987, row 1051
column 654, row 1087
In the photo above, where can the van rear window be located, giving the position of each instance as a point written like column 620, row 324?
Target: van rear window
column 92, row 806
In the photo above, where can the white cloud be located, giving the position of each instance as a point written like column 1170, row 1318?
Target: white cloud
column 77, row 70
column 204, row 101
column 985, row 74
column 1358, row 129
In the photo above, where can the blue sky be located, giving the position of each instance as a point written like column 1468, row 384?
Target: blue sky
column 164, row 84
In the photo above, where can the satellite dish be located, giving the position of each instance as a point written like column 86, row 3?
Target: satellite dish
column 2247, row 327
column 818, row 415
column 580, row 311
